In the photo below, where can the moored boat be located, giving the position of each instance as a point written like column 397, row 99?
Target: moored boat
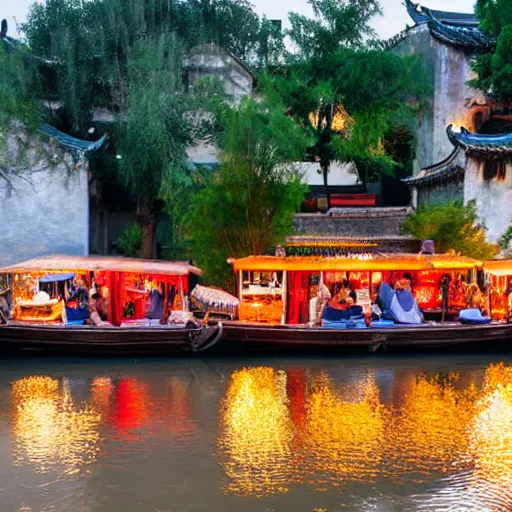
column 101, row 305
column 282, row 307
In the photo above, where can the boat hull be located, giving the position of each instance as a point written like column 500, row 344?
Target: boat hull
column 88, row 340
column 396, row 338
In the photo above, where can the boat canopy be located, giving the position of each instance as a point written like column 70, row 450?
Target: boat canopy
column 69, row 264
column 360, row 262
column 54, row 278
column 498, row 268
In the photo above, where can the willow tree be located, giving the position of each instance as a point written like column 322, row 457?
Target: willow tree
column 85, row 46
column 155, row 130
column 247, row 207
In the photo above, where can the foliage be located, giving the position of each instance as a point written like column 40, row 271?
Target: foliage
column 358, row 99
column 506, row 238
column 156, row 130
column 336, row 24
column 494, row 68
column 18, row 88
column 453, row 226
column 249, row 204
column 154, row 134
column 87, row 45
column 130, row 242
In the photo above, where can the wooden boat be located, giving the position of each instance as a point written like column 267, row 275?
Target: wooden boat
column 41, row 326
column 399, row 337
column 267, row 317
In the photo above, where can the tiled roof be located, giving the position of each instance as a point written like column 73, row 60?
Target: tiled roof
column 456, row 29
column 76, row 146
column 446, row 170
column 416, row 12
column 487, row 146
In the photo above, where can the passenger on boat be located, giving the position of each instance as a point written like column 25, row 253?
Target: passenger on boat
column 399, row 305
column 97, row 308
column 339, row 301
column 156, row 304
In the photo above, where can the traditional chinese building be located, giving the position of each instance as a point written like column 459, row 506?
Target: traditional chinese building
column 445, row 42
column 462, row 153
column 479, row 169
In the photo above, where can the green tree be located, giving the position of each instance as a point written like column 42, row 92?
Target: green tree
column 336, row 24
column 351, row 102
column 494, row 67
column 248, row 206
column 85, row 46
column 19, row 87
column 453, row 226
column 155, row 131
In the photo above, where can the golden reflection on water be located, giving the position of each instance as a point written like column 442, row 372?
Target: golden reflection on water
column 49, row 430
column 318, row 432
column 490, row 433
column 257, row 432
column 343, row 433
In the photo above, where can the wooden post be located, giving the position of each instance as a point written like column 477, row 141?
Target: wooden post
column 165, row 310
column 284, row 287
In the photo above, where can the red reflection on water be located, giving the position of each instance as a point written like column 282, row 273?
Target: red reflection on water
column 131, row 404
column 296, row 392
column 131, row 401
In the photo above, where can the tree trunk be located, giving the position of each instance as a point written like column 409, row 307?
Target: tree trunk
column 147, row 220
column 325, row 172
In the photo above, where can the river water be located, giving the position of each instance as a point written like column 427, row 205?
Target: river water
column 381, row 433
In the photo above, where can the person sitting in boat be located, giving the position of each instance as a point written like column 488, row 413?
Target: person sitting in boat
column 97, row 308
column 339, row 301
column 156, row 303
column 399, row 305
column 77, row 294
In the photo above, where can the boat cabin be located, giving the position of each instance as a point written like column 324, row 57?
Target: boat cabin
column 498, row 287
column 293, row 289
column 101, row 290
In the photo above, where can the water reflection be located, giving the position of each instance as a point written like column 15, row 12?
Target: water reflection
column 281, row 428
column 283, row 436
column 49, row 429
column 257, row 432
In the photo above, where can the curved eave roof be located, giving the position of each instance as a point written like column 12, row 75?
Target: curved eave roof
column 62, row 263
column 480, row 145
column 442, row 172
column 467, row 38
column 456, row 29
column 411, row 262
column 416, row 12
column 77, row 146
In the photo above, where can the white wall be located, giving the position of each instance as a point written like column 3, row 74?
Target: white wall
column 340, row 174
column 45, row 208
column 493, row 198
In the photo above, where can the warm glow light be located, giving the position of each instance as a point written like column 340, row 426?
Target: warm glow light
column 344, row 435
column 257, row 433
column 341, row 120
column 49, row 430
column 327, row 434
